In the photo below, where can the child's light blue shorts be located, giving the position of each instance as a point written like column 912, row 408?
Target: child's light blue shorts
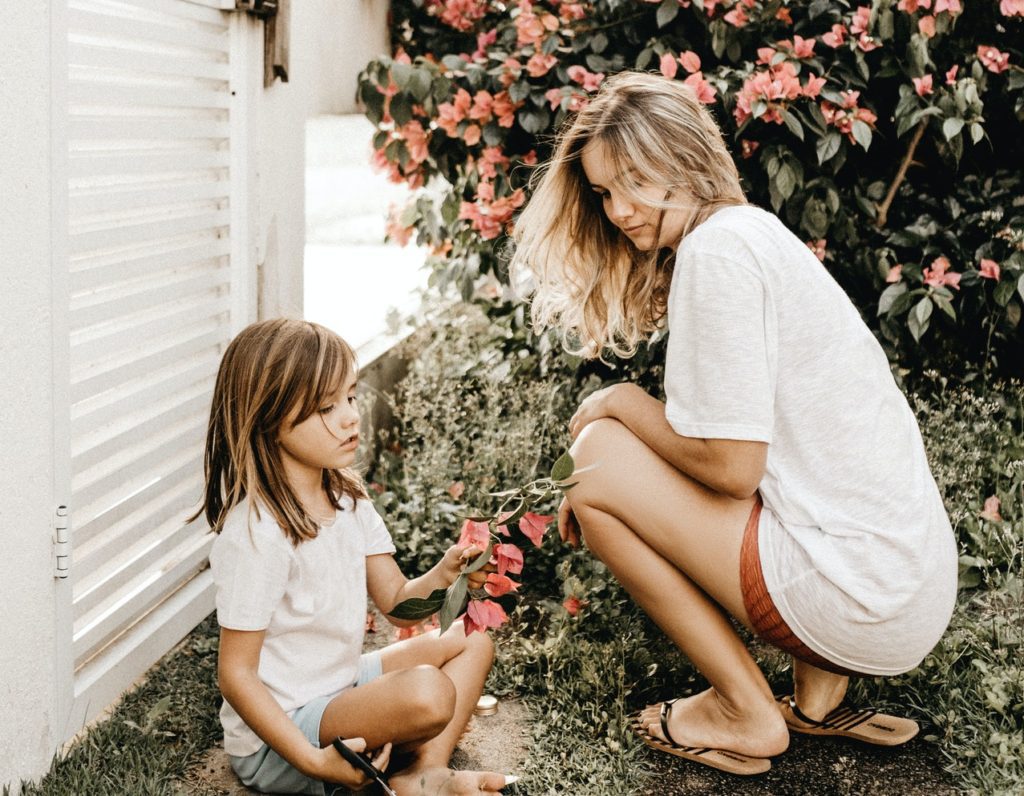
column 266, row 771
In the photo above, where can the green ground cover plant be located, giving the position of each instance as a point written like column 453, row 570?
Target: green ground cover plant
column 584, row 656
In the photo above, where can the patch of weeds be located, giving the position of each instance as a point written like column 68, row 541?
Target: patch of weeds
column 154, row 734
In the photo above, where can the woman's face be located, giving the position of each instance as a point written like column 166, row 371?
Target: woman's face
column 632, row 211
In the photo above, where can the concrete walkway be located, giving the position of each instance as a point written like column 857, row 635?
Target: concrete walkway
column 354, row 281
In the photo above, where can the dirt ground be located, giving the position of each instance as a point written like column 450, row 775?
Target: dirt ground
column 811, row 767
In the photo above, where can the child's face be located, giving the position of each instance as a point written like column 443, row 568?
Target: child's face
column 632, row 211
column 327, row 439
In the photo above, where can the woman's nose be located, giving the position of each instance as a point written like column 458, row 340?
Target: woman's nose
column 619, row 209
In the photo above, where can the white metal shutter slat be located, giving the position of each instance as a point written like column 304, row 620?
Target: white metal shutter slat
column 123, row 559
column 94, row 272
column 108, row 406
column 124, row 28
column 85, row 165
column 151, row 280
column 140, row 596
column 138, row 233
column 130, row 60
column 172, row 472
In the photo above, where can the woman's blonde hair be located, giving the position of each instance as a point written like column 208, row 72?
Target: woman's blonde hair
column 270, row 370
column 586, row 276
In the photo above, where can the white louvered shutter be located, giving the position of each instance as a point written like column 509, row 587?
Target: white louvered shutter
column 150, row 209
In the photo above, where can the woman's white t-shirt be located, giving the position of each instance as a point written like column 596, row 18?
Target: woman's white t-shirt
column 310, row 599
column 856, row 547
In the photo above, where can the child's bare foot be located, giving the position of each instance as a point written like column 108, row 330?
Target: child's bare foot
column 708, row 720
column 445, row 782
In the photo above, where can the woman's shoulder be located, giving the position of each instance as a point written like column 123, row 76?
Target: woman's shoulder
column 740, row 223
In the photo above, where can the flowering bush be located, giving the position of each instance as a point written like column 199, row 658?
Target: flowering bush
column 487, row 533
column 840, row 114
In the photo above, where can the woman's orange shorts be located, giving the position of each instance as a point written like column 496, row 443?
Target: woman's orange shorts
column 764, row 616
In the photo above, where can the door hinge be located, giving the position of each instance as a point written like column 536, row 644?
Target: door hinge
column 258, row 8
column 62, row 542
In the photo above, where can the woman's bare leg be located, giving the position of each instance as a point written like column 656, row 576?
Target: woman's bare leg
column 674, row 545
column 421, row 703
column 816, row 691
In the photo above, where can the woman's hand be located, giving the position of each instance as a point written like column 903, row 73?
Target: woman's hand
column 332, row 767
column 455, row 558
column 568, row 528
column 602, row 403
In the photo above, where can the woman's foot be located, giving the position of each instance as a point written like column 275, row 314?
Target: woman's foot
column 708, row 720
column 446, row 782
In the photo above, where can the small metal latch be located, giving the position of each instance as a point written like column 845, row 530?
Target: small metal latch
column 258, row 8
column 62, row 543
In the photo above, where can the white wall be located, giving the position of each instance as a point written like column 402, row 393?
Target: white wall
column 27, row 358
column 332, row 40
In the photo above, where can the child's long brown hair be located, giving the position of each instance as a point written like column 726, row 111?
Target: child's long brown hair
column 269, row 370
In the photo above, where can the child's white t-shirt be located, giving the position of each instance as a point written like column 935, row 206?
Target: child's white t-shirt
column 856, row 547
column 310, row 599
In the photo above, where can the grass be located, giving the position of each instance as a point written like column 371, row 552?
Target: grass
column 581, row 677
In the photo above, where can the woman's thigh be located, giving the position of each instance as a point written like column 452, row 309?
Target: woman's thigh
column 698, row 530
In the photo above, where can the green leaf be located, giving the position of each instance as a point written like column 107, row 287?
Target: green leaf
column 533, row 120
column 519, row 91
column 419, row 84
column 1020, row 286
column 480, row 560
column 454, row 602
column 918, row 318
column 419, row 607
column 862, row 134
column 889, row 295
column 977, row 132
column 1003, row 293
column 563, row 467
column 951, row 128
column 828, row 146
column 453, row 62
column 944, row 304
column 785, row 181
column 401, row 109
column 794, row 125
column 667, row 11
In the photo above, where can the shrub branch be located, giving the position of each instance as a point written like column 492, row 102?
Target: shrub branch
column 883, row 208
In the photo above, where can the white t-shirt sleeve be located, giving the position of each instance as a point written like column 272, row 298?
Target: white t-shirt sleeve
column 719, row 379
column 375, row 532
column 251, row 574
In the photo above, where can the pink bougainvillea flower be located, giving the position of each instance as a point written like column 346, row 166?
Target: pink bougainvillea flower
column 472, row 134
column 1012, row 8
column 818, row 248
column 690, row 61
column 993, row 60
column 482, row 614
column 895, row 274
column 926, row 26
column 499, row 585
column 702, row 88
column 922, row 85
column 990, row 511
column 508, row 558
column 989, row 269
column 474, row 534
column 835, row 37
column 668, row 66
column 570, row 12
column 738, row 17
column 396, row 230
column 868, row 43
column 534, row 526
column 540, row 64
column 951, row 75
column 748, row 148
column 861, row 20
column 483, row 41
column 554, row 96
column 775, row 87
column 765, row 55
column 939, row 275
column 952, row 6
column 572, row 604
column 813, row 86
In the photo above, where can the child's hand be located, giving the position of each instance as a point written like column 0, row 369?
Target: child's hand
column 334, row 768
column 455, row 558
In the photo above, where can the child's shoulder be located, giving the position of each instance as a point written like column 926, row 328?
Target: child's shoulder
column 253, row 523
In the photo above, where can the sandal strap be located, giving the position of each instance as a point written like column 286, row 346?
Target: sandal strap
column 803, row 716
column 663, row 714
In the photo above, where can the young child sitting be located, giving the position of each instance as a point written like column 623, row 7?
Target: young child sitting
column 298, row 547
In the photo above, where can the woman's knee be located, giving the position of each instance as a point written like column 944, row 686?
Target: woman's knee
column 595, row 452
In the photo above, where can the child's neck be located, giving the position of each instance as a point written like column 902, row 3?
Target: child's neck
column 308, row 486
